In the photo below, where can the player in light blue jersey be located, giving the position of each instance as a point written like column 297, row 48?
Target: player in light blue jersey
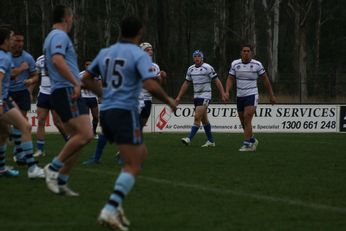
column 144, row 107
column 123, row 67
column 246, row 71
column 201, row 75
column 63, row 71
column 11, row 115
column 23, row 75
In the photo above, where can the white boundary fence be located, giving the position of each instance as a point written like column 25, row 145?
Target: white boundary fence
column 224, row 118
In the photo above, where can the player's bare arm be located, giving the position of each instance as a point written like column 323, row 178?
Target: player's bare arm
column 269, row 88
column 182, row 91
column 90, row 83
column 229, row 85
column 221, row 89
column 156, row 90
column 18, row 70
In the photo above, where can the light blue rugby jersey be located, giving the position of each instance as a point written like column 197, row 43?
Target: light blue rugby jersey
column 5, row 68
column 17, row 83
column 58, row 42
column 122, row 68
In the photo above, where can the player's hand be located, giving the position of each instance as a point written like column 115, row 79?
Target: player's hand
column 272, row 99
column 76, row 92
column 24, row 66
column 172, row 104
column 177, row 100
column 163, row 74
column 226, row 96
column 28, row 82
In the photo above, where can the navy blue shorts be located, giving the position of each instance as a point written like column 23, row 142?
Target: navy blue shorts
column 250, row 100
column 90, row 102
column 201, row 102
column 22, row 99
column 121, row 126
column 145, row 113
column 7, row 104
column 44, row 101
column 66, row 107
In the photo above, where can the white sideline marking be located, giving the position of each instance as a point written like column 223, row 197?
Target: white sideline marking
column 233, row 192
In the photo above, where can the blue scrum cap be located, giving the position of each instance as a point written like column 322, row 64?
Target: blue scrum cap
column 197, row 52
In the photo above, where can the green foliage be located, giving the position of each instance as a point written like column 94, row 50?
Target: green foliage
column 178, row 27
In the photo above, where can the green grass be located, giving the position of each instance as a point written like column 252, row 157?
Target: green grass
column 292, row 182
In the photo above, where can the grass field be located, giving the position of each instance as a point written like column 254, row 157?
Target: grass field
column 292, row 182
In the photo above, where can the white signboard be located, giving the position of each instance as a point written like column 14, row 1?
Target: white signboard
column 32, row 117
column 268, row 118
column 224, row 118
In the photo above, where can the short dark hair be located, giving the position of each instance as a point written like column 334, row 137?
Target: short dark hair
column 59, row 12
column 246, row 45
column 19, row 33
column 130, row 26
column 7, row 26
column 4, row 34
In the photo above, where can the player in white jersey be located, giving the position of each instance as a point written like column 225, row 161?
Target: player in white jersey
column 91, row 100
column 44, row 105
column 145, row 98
column 201, row 75
column 246, row 71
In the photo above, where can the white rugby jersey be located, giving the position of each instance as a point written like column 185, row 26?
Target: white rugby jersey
column 87, row 93
column 145, row 93
column 201, row 78
column 45, row 86
column 246, row 75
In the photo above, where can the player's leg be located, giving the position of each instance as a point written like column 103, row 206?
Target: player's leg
column 249, row 109
column 145, row 112
column 4, row 134
column 42, row 114
column 59, row 125
column 14, row 117
column 95, row 158
column 80, row 132
column 207, row 129
column 74, row 115
column 127, row 134
column 95, row 115
column 199, row 111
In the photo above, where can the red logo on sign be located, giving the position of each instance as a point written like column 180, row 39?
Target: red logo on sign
column 163, row 118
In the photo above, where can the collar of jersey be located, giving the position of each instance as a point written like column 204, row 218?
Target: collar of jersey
column 125, row 41
column 247, row 62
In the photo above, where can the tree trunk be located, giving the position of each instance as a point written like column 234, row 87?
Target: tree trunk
column 27, row 24
column 302, row 63
column 276, row 22
column 107, row 22
column 220, row 35
column 272, row 13
column 43, row 19
column 249, row 27
column 301, row 11
column 269, row 31
column 318, row 36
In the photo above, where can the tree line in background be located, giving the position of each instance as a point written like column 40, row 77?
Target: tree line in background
column 301, row 43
